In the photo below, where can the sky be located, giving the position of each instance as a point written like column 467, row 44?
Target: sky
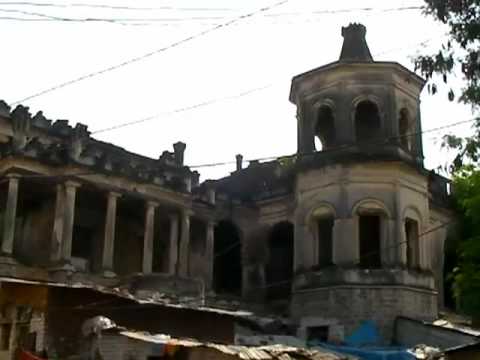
column 222, row 93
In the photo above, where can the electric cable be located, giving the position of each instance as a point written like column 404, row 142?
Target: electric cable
column 154, row 52
column 340, row 148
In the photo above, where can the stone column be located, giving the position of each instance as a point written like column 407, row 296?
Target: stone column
column 210, row 252
column 184, row 243
column 68, row 219
column 148, row 238
column 173, row 249
column 345, row 242
column 304, row 256
column 10, row 215
column 57, row 232
column 401, row 249
column 109, row 239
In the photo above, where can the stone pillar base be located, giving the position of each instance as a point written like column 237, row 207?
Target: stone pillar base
column 67, row 267
column 108, row 274
column 6, row 259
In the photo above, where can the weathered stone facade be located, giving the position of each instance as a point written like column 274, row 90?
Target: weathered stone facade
column 350, row 229
column 365, row 220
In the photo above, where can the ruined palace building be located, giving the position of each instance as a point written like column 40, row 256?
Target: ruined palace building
column 350, row 229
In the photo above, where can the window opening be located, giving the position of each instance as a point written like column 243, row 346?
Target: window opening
column 279, row 269
column 325, row 241
column 412, row 238
column 369, row 231
column 324, row 129
column 367, row 121
column 227, row 265
column 406, row 130
column 317, row 334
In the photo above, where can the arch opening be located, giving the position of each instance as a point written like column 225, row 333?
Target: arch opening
column 279, row 270
column 324, row 128
column 406, row 128
column 372, row 225
column 367, row 121
column 412, row 239
column 322, row 222
column 325, row 241
column 227, row 264
column 370, row 240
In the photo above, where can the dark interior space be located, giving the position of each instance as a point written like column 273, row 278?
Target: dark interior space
column 227, row 265
column 325, row 241
column 367, row 122
column 325, row 128
column 369, row 231
column 279, row 270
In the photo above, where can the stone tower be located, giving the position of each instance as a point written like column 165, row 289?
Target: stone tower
column 364, row 210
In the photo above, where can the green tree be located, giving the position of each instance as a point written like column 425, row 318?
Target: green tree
column 461, row 53
column 466, row 276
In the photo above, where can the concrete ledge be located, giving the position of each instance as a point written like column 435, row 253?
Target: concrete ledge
column 337, row 276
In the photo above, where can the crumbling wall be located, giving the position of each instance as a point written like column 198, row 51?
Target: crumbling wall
column 198, row 263
column 34, row 233
column 349, row 306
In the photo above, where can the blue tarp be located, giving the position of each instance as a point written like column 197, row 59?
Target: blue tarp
column 366, row 335
column 364, row 343
column 373, row 353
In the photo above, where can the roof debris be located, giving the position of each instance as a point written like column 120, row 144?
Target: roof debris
column 269, row 352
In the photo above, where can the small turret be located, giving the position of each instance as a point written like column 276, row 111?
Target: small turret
column 355, row 47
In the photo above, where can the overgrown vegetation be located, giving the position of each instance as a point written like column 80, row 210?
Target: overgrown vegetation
column 461, row 52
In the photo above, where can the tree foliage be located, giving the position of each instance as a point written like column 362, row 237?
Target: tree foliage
column 461, row 51
column 466, row 275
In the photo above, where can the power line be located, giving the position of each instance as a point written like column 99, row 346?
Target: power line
column 377, row 141
column 123, row 21
column 147, row 55
column 271, row 284
column 353, row 263
column 216, row 100
column 347, row 10
column 213, row 101
column 113, row 7
column 183, row 109
column 338, row 148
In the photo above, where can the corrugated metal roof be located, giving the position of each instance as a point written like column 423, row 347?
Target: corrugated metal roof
column 270, row 352
column 160, row 298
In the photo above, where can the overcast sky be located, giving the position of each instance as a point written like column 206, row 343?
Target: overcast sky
column 262, row 52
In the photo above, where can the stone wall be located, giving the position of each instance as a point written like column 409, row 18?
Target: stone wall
column 349, row 306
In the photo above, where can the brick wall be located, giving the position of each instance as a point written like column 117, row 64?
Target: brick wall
column 348, row 307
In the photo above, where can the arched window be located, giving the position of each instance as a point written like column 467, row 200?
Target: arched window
column 412, row 239
column 372, row 217
column 406, row 128
column 367, row 121
column 323, row 219
column 227, row 265
column 279, row 269
column 324, row 128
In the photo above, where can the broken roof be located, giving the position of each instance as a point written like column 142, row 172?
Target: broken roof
column 268, row 352
column 258, row 181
